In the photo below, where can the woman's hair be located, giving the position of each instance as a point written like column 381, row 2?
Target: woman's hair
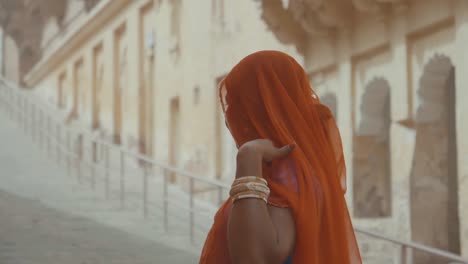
column 267, row 95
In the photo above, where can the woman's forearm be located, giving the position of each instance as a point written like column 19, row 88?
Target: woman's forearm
column 252, row 237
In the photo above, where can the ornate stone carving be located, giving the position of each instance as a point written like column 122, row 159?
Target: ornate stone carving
column 281, row 22
column 24, row 21
column 320, row 17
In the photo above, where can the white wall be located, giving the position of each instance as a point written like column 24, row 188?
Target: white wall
column 1, row 50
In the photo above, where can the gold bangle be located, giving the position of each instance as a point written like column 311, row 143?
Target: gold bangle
column 251, row 192
column 249, row 179
column 252, row 183
column 249, row 186
column 247, row 195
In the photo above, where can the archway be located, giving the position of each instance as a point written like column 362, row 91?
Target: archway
column 371, row 148
column 434, row 195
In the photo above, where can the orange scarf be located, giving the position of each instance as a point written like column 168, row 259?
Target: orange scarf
column 267, row 95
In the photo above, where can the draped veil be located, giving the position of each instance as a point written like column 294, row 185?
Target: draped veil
column 267, row 95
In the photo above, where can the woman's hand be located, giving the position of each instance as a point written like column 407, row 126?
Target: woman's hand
column 266, row 149
column 253, row 234
column 252, row 153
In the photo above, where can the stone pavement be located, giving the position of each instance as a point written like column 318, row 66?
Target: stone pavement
column 26, row 172
column 31, row 233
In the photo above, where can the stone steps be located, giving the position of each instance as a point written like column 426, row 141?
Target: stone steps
column 29, row 173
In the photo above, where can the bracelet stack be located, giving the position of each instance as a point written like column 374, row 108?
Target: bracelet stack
column 249, row 187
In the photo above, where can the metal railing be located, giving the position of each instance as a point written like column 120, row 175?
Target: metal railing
column 406, row 247
column 65, row 145
column 51, row 134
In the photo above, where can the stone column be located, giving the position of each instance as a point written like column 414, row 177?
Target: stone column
column 461, row 83
column 345, row 125
column 402, row 138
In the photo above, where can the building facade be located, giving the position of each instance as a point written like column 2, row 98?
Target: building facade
column 144, row 74
column 394, row 74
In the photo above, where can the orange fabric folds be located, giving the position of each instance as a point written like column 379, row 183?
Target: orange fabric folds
column 267, row 95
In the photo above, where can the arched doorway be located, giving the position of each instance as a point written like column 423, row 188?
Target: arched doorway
column 434, row 194
column 329, row 99
column 371, row 153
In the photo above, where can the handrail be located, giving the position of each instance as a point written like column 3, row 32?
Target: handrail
column 413, row 245
column 130, row 153
column 404, row 245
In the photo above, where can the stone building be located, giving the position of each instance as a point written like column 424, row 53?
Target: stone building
column 144, row 74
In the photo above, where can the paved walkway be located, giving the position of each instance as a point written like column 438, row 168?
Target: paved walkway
column 32, row 233
column 44, row 212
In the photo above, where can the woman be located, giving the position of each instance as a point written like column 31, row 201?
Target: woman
column 287, row 202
